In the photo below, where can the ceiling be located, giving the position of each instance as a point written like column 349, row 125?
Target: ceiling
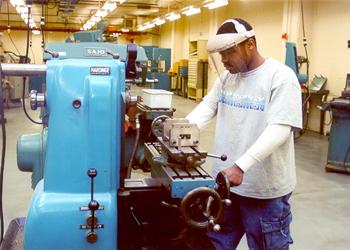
column 70, row 15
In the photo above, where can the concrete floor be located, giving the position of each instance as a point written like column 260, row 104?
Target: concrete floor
column 320, row 204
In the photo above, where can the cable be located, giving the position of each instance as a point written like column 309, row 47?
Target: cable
column 137, row 120
column 31, row 51
column 346, row 156
column 8, row 25
column 304, row 38
column 24, row 79
column 3, row 153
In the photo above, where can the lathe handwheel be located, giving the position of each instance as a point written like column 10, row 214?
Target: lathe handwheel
column 223, row 185
column 199, row 206
column 157, row 125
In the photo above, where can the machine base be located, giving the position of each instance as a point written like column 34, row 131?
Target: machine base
column 13, row 239
column 337, row 169
column 149, row 220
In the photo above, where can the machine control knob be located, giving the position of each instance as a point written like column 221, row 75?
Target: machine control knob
column 215, row 227
column 91, row 237
column 221, row 157
column 36, row 99
column 93, row 205
column 92, row 172
column 227, row 202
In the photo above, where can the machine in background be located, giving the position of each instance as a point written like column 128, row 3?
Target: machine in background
column 158, row 65
column 338, row 159
column 13, row 85
column 84, row 197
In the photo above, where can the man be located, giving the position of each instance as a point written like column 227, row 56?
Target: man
column 257, row 103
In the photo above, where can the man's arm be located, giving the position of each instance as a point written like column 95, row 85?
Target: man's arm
column 272, row 137
column 207, row 109
column 201, row 115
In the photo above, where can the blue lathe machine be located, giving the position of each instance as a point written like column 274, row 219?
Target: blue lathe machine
column 84, row 197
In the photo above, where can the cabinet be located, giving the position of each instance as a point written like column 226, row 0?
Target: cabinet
column 197, row 70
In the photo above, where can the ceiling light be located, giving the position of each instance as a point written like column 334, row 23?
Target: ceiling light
column 216, row 4
column 141, row 27
column 159, row 21
column 109, row 6
column 36, row 32
column 115, row 34
column 95, row 19
column 101, row 13
column 150, row 25
column 172, row 16
column 191, row 11
column 15, row 3
column 21, row 9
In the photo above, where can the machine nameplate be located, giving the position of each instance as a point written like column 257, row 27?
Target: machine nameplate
column 100, row 71
column 96, row 52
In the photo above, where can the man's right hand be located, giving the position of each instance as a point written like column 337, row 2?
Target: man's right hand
column 234, row 174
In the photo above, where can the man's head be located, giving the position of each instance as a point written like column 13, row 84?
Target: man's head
column 236, row 44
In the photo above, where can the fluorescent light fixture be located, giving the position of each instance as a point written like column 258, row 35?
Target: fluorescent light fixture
column 24, row 16
column 109, row 6
column 101, row 13
column 95, row 19
column 191, row 11
column 36, row 32
column 172, row 16
column 159, row 21
column 141, row 27
column 22, row 9
column 15, row 3
column 115, row 34
column 216, row 4
column 149, row 25
column 124, row 30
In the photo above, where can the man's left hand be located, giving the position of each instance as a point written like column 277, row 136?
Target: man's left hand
column 234, row 174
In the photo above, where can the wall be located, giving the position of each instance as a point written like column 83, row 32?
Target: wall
column 265, row 16
column 329, row 54
column 18, row 43
column 327, row 35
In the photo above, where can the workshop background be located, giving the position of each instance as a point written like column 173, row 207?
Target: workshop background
column 319, row 29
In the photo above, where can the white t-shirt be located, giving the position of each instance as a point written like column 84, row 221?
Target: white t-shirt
column 245, row 103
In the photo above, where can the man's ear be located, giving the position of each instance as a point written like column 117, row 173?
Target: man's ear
column 250, row 44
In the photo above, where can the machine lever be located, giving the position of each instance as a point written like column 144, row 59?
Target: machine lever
column 52, row 53
column 115, row 56
column 92, row 174
column 93, row 206
column 221, row 157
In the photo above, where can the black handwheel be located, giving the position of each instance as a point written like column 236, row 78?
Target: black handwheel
column 201, row 205
column 223, row 185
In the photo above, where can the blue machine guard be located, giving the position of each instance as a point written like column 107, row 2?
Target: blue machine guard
column 79, row 138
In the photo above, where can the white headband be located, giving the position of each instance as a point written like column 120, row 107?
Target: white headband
column 221, row 42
